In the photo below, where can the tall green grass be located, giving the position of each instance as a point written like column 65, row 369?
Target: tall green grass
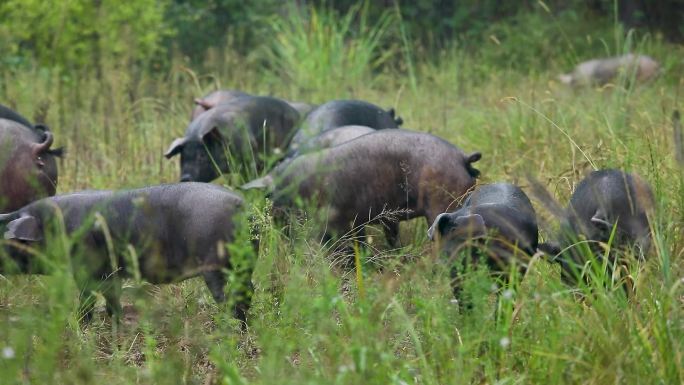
column 319, row 50
column 310, row 323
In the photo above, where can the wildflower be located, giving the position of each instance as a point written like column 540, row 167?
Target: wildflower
column 504, row 342
column 508, row 294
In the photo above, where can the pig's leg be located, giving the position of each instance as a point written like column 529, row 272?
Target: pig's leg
column 216, row 282
column 456, row 274
column 86, row 304
column 391, row 229
column 111, row 290
column 241, row 288
column 87, row 285
column 359, row 236
column 354, row 241
column 243, row 298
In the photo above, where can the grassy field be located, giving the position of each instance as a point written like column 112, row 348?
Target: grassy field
column 396, row 323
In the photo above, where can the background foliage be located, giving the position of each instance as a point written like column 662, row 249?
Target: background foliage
column 81, row 33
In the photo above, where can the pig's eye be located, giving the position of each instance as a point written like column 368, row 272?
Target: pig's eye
column 39, row 161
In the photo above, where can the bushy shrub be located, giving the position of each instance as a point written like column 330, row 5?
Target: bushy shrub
column 81, row 33
column 201, row 24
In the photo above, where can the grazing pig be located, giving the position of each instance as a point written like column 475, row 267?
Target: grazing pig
column 499, row 210
column 602, row 71
column 232, row 135
column 355, row 182
column 604, row 200
column 608, row 198
column 28, row 166
column 331, row 138
column 225, row 96
column 338, row 113
column 503, row 210
column 163, row 233
column 213, row 99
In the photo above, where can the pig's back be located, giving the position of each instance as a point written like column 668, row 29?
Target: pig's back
column 501, row 193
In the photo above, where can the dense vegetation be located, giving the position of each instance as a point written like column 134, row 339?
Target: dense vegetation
column 115, row 82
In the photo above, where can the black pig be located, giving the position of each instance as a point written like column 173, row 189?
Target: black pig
column 338, row 113
column 356, row 181
column 225, row 96
column 604, row 200
column 246, row 128
column 177, row 231
column 213, row 99
column 502, row 209
column 502, row 216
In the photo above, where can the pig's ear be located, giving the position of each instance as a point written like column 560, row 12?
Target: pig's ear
column 601, row 221
column 439, row 226
column 565, row 78
column 204, row 104
column 212, row 132
column 261, row 183
column 175, row 147
column 473, row 225
column 23, row 229
column 393, row 114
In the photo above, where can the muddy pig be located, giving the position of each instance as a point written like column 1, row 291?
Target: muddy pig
column 177, row 231
column 28, row 165
column 240, row 135
column 338, row 113
column 602, row 71
column 357, row 181
column 604, row 200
